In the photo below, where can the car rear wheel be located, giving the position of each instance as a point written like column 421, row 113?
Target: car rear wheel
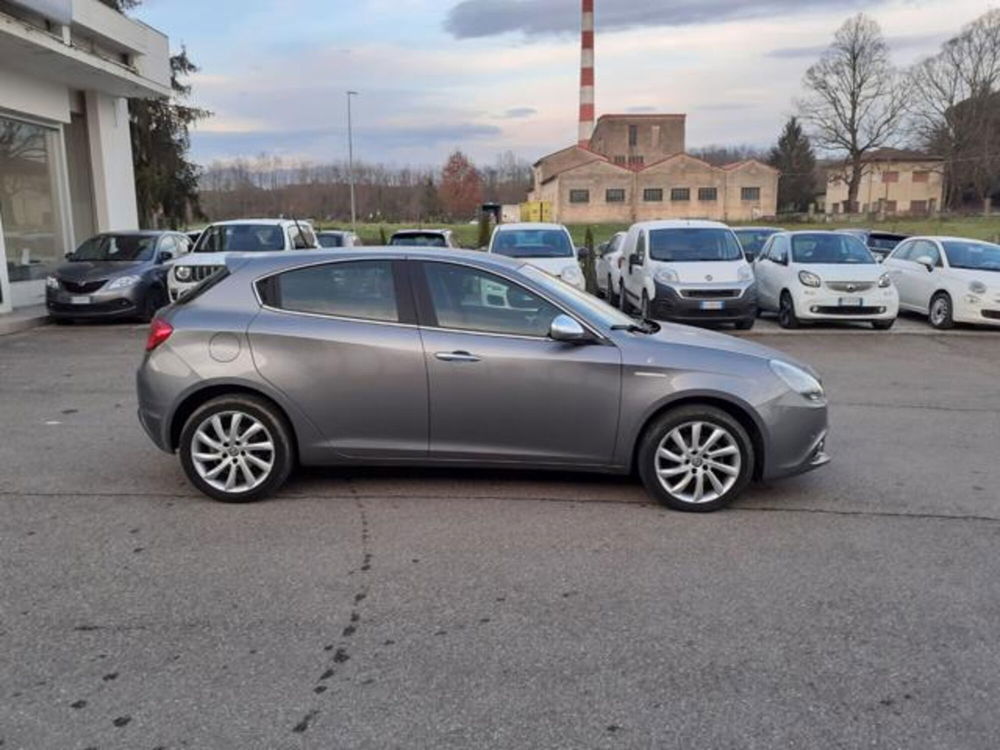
column 645, row 310
column 747, row 323
column 941, row 315
column 786, row 312
column 696, row 459
column 611, row 292
column 236, row 449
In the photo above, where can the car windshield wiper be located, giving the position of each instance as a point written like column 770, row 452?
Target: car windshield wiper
column 648, row 326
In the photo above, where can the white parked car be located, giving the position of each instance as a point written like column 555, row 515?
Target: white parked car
column 241, row 236
column 949, row 279
column 824, row 276
column 688, row 271
column 608, row 268
column 545, row 246
column 337, row 238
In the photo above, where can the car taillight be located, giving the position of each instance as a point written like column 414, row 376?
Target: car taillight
column 159, row 331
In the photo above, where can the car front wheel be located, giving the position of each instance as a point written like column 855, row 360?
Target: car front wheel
column 236, row 449
column 786, row 312
column 696, row 459
column 941, row 312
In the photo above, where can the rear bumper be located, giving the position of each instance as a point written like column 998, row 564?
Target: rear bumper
column 671, row 303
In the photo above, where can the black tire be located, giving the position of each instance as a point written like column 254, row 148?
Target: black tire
column 786, row 312
column 278, row 430
column 747, row 323
column 611, row 292
column 645, row 311
column 883, row 325
column 661, row 428
column 623, row 301
column 941, row 314
column 59, row 321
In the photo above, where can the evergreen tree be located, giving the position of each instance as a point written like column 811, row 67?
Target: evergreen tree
column 794, row 158
column 166, row 182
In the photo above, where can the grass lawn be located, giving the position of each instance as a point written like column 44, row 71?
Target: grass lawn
column 976, row 227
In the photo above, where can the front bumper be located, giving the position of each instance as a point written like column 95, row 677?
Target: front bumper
column 100, row 305
column 798, row 432
column 706, row 302
column 978, row 309
column 826, row 304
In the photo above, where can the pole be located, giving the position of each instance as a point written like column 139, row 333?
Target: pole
column 350, row 161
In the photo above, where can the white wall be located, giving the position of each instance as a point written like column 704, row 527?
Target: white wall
column 111, row 160
column 33, row 97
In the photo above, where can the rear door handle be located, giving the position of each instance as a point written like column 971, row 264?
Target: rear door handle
column 456, row 357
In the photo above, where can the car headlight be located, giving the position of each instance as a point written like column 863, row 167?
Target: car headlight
column 123, row 282
column 808, row 278
column 977, row 287
column 745, row 273
column 667, row 276
column 798, row 380
column 52, row 282
column 884, row 282
column 182, row 273
column 571, row 275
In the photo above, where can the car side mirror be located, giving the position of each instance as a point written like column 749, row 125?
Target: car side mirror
column 633, row 261
column 926, row 262
column 750, row 257
column 565, row 328
column 69, row 255
column 583, row 253
column 164, row 256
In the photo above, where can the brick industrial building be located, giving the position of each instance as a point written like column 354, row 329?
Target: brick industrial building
column 629, row 168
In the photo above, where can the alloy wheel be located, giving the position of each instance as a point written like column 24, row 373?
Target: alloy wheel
column 940, row 311
column 698, row 462
column 233, row 452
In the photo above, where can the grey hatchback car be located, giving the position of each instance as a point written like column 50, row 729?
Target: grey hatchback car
column 403, row 356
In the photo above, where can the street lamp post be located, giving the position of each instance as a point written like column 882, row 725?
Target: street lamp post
column 350, row 161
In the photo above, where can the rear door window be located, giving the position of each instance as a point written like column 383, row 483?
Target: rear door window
column 366, row 290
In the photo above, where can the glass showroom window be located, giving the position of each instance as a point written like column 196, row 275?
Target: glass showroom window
column 31, row 214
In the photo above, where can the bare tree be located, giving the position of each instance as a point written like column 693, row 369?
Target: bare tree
column 856, row 100
column 956, row 108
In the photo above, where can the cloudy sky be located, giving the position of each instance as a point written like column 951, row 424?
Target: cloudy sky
column 493, row 75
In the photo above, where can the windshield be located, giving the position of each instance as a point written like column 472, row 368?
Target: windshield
column 753, row 239
column 116, row 247
column 693, row 245
column 587, row 304
column 884, row 241
column 532, row 243
column 975, row 256
column 413, row 239
column 247, row 238
column 830, row 248
column 330, row 240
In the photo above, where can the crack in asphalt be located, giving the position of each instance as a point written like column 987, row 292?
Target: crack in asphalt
column 341, row 654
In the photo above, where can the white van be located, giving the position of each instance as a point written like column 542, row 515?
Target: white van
column 688, row 271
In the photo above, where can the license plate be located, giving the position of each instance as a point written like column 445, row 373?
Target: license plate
column 852, row 302
column 712, row 304
column 79, row 300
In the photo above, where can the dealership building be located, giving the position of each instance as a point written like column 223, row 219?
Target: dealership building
column 67, row 69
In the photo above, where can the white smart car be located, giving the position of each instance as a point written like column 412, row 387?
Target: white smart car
column 824, row 276
column 949, row 279
column 545, row 246
column 241, row 236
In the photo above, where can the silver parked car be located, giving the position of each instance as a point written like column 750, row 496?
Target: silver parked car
column 455, row 358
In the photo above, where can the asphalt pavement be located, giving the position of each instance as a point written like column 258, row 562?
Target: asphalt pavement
column 855, row 606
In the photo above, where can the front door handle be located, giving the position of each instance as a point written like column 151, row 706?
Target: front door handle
column 456, row 357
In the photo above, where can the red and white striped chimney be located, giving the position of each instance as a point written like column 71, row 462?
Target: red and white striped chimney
column 587, row 74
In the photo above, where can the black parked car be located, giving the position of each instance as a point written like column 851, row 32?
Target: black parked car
column 881, row 244
column 114, row 275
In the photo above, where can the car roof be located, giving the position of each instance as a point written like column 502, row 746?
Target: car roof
column 334, row 231
column 680, row 224
column 269, row 262
column 421, row 231
column 758, row 229
column 273, row 222
column 137, row 233
column 530, row 225
column 946, row 238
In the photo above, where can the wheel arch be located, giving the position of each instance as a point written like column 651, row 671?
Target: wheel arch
column 738, row 411
column 197, row 398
